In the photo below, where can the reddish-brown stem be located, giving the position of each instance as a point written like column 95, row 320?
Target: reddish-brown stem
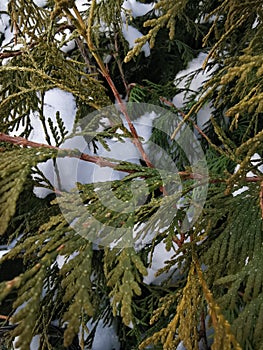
column 183, row 115
column 261, row 198
column 202, row 331
column 116, row 56
column 86, row 31
column 179, row 241
column 3, row 317
column 8, row 54
column 20, row 141
column 123, row 109
column 103, row 162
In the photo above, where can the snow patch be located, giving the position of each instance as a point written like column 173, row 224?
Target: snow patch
column 240, row 190
column 3, row 252
column 196, row 83
column 131, row 34
column 160, row 255
column 255, row 159
column 3, row 5
column 137, row 8
column 82, row 5
column 34, row 345
column 105, row 337
column 40, row 3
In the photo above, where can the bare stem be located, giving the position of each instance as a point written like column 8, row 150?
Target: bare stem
column 104, row 162
column 261, row 198
column 87, row 34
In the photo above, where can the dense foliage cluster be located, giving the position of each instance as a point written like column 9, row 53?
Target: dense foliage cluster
column 211, row 294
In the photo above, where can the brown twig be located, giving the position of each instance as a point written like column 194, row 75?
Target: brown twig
column 104, row 162
column 261, row 198
column 20, row 141
column 116, row 56
column 86, row 32
column 179, row 241
column 8, row 54
column 3, row 317
column 202, row 331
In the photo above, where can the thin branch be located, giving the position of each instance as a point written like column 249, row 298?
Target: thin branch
column 104, row 162
column 8, row 54
column 261, row 198
column 20, row 141
column 86, row 32
column 200, row 131
column 116, row 56
column 3, row 317
column 202, row 332
column 179, row 241
column 91, row 69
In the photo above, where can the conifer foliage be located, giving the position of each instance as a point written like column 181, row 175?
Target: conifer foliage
column 211, row 294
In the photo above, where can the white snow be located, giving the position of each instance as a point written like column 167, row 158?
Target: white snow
column 130, row 33
column 4, row 22
column 6, row 29
column 255, row 159
column 61, row 259
column 55, row 100
column 34, row 343
column 256, row 22
column 73, row 169
column 40, row 3
column 240, row 190
column 105, row 337
column 70, row 45
column 82, row 5
column 137, row 8
column 196, row 83
column 3, row 5
column 160, row 255
column 3, row 252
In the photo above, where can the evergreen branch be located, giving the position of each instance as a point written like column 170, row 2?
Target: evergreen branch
column 15, row 168
column 222, row 39
column 185, row 321
column 200, row 131
column 20, row 93
column 56, row 82
column 172, row 9
column 9, row 54
column 105, row 162
column 116, row 55
column 20, row 141
column 261, row 198
column 124, row 281
column 77, row 286
column 223, row 335
column 87, row 34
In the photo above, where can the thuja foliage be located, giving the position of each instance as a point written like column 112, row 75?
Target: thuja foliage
column 211, row 289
